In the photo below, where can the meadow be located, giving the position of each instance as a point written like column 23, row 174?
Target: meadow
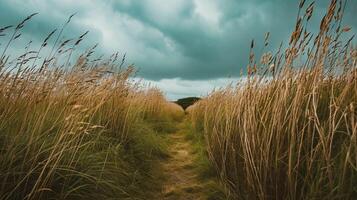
column 74, row 126
column 77, row 131
column 290, row 130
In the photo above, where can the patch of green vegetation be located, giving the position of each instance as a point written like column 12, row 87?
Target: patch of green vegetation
column 212, row 187
column 143, row 151
column 102, row 168
column 166, row 122
column 162, row 126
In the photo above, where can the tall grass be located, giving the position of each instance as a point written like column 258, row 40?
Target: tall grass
column 290, row 131
column 74, row 131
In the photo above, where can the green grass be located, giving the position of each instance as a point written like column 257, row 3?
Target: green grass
column 213, row 189
column 104, row 168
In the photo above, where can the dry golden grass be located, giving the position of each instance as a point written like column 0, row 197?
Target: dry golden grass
column 175, row 111
column 75, row 131
column 290, row 132
column 190, row 109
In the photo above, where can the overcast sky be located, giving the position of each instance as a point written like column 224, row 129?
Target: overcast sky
column 185, row 47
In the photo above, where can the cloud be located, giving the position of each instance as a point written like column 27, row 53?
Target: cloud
column 210, row 39
column 176, row 39
column 177, row 88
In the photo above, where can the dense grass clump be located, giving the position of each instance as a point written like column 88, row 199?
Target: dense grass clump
column 290, row 131
column 76, row 131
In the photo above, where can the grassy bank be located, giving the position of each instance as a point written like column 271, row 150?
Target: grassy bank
column 290, row 131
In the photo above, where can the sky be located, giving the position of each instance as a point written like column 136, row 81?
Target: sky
column 184, row 47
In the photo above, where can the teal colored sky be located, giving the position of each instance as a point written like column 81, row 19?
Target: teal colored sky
column 183, row 44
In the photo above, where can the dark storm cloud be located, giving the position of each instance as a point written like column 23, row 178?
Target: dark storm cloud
column 188, row 39
column 223, row 50
column 36, row 30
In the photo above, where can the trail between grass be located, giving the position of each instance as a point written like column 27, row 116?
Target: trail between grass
column 181, row 178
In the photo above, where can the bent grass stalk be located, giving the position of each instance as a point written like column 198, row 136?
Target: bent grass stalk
column 289, row 132
column 63, row 131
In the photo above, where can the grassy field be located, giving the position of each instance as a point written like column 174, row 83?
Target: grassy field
column 96, row 140
column 78, row 131
column 290, row 131
column 77, row 127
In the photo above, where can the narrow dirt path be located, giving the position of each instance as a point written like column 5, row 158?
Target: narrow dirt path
column 181, row 178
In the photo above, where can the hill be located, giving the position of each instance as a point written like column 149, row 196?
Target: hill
column 186, row 102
